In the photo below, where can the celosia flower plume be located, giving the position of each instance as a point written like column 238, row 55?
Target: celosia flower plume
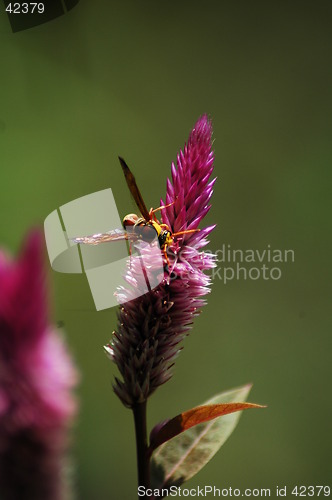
column 151, row 327
column 36, row 379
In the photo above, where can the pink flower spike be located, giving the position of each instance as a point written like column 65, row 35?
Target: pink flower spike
column 36, row 382
column 152, row 326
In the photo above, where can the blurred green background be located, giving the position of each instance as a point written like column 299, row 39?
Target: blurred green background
column 131, row 78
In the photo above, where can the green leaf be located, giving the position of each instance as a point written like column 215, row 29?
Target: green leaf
column 187, row 419
column 180, row 458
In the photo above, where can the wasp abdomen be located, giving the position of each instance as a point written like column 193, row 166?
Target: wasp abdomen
column 163, row 237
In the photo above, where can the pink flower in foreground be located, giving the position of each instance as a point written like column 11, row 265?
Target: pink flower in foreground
column 151, row 327
column 36, row 379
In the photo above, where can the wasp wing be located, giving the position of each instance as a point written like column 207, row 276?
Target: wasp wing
column 113, row 235
column 133, row 188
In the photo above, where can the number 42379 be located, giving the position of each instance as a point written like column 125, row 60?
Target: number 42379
column 310, row 491
column 25, row 8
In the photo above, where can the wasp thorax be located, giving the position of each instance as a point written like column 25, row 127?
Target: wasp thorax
column 146, row 232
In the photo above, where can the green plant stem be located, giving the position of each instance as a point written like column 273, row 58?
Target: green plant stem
column 143, row 459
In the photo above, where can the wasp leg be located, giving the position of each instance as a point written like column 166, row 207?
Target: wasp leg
column 166, row 256
column 153, row 215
